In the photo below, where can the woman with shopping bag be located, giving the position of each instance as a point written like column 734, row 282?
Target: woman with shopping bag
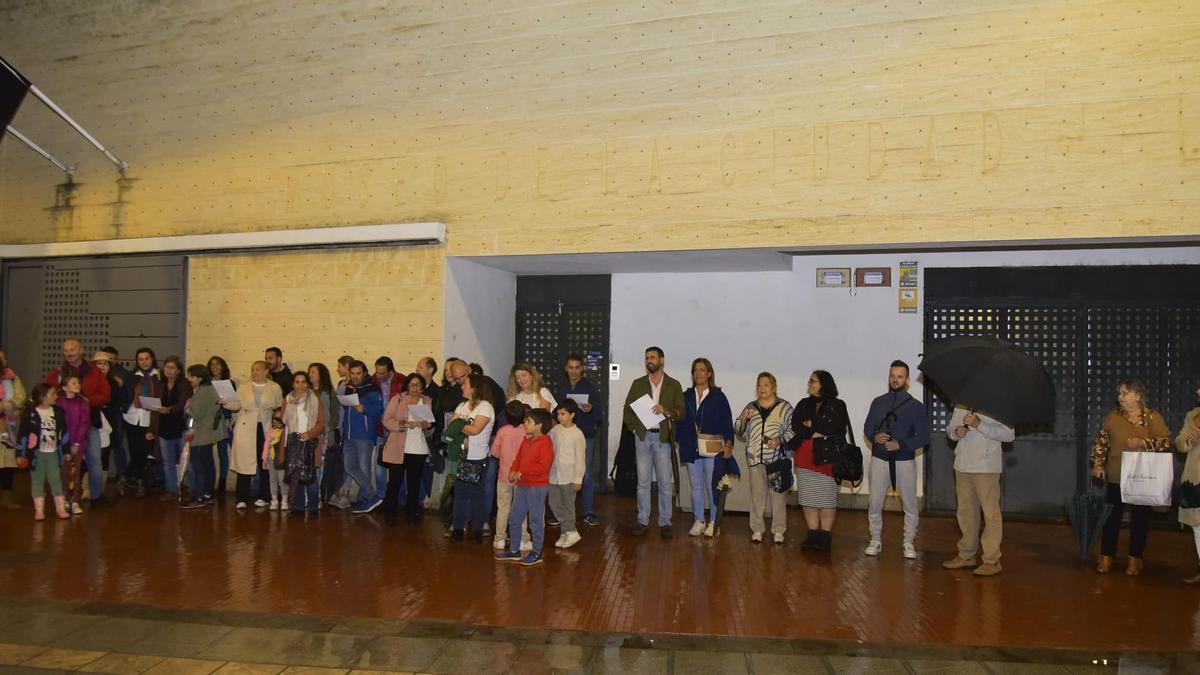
column 1130, row 454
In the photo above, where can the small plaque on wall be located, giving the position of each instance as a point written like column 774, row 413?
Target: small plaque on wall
column 833, row 277
column 873, row 277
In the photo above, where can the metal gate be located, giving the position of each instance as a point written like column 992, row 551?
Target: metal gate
column 561, row 315
column 1091, row 328
column 130, row 302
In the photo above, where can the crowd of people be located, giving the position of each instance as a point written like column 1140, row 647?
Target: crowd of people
column 380, row 439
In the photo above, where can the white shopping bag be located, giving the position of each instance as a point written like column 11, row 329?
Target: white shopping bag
column 1147, row 477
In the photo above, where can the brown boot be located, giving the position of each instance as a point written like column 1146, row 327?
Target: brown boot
column 39, row 508
column 1195, row 580
column 1104, row 564
column 7, row 502
column 1134, row 568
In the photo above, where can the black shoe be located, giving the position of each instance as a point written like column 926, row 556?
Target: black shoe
column 639, row 530
column 293, row 513
column 666, row 532
column 390, row 519
column 456, row 535
column 101, row 503
column 312, row 515
column 810, row 541
column 192, row 504
column 477, row 537
column 552, row 522
column 824, row 541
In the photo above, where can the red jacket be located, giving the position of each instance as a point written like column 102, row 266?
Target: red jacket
column 533, row 461
column 95, row 385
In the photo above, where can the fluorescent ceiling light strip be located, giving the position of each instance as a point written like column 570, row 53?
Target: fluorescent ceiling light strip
column 397, row 233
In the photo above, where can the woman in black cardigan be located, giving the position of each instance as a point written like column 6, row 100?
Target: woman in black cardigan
column 818, row 417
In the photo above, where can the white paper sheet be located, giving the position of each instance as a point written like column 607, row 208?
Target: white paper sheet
column 226, row 391
column 348, row 400
column 643, row 409
column 150, row 403
column 421, row 413
column 581, row 399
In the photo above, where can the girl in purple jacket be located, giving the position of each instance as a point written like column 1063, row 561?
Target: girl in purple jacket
column 79, row 420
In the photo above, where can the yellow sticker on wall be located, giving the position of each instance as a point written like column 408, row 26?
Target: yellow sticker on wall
column 908, row 301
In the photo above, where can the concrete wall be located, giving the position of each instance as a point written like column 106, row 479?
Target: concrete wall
column 480, row 316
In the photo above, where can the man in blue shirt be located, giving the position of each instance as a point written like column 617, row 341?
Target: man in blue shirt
column 588, row 421
column 358, row 432
column 896, row 428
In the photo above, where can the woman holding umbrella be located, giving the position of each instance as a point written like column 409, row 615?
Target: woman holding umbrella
column 1189, row 483
column 705, row 431
column 1132, row 427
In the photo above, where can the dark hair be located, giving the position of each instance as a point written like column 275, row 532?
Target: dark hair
column 324, row 381
column 542, row 418
column 477, row 383
column 432, row 364
column 146, row 350
column 357, row 364
column 661, row 355
column 712, row 374
column 35, row 397
column 515, row 412
column 573, row 357
column 386, row 361
column 568, row 405
column 828, row 386
column 475, row 368
column 67, row 377
column 277, row 350
column 411, row 377
column 224, row 366
column 301, row 373
column 899, row 364
column 201, row 371
column 109, row 349
column 178, row 364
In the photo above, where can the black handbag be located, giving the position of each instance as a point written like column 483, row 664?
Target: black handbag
column 845, row 456
column 471, row 471
column 779, row 472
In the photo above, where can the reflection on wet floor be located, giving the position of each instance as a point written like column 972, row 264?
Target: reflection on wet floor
column 152, row 556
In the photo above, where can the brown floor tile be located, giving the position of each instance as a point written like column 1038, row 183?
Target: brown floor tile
column 178, row 666
column 314, row 670
column 123, row 663
column 237, row 668
column 63, row 659
column 11, row 654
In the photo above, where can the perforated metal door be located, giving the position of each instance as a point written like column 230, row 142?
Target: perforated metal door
column 125, row 302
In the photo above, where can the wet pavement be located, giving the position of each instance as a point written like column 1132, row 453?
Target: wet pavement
column 143, row 581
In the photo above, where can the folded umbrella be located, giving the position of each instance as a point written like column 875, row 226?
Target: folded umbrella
column 991, row 376
column 1087, row 513
column 725, row 470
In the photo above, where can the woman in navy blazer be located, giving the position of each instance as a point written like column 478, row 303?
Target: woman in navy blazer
column 705, row 411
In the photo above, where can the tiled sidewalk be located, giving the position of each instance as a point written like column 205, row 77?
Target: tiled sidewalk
column 41, row 635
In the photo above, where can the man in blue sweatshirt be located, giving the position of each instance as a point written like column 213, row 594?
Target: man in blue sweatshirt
column 588, row 421
column 358, row 432
column 896, row 427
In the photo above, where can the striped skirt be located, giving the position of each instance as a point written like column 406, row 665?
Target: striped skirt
column 816, row 489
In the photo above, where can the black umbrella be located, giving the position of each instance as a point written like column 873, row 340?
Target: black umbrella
column 991, row 376
column 1087, row 513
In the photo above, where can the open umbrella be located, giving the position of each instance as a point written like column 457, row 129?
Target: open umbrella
column 1087, row 513
column 991, row 376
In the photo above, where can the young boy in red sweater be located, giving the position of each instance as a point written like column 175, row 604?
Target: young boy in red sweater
column 530, row 473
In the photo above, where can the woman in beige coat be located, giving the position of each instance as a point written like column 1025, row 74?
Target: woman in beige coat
column 1189, row 442
column 259, row 399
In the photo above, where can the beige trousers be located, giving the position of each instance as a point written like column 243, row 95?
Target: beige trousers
column 760, row 495
column 979, row 492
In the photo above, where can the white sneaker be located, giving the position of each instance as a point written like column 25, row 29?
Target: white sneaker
column 241, row 506
column 711, row 529
column 778, row 537
column 910, row 551
column 76, row 509
column 873, row 548
column 283, row 504
column 570, row 539
column 526, row 545
column 274, row 504
column 501, row 543
column 561, row 538
column 697, row 529
column 756, row 537
column 260, row 503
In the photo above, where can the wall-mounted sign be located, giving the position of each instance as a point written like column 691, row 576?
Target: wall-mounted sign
column 614, row 371
column 908, row 301
column 833, row 277
column 873, row 277
column 908, row 274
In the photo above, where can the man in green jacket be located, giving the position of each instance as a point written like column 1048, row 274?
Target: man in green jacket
column 654, row 445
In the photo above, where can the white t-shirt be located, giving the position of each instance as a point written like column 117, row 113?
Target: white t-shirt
column 477, row 445
column 531, row 399
column 414, row 442
column 49, row 431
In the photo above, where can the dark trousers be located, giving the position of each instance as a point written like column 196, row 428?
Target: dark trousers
column 242, row 488
column 409, row 473
column 264, row 475
column 6, row 478
column 469, row 503
column 201, row 461
column 1139, row 524
column 140, row 451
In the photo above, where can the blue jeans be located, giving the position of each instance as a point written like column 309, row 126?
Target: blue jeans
column 223, row 465
column 489, row 485
column 380, row 472
column 117, row 450
column 304, row 497
column 528, row 502
column 95, row 467
column 170, row 449
column 701, row 473
column 589, row 485
column 654, row 463
column 357, row 455
column 469, row 503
